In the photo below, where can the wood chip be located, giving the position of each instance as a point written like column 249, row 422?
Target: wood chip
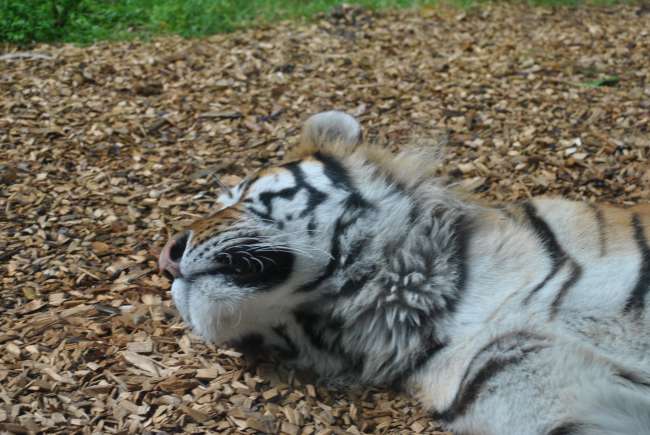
column 140, row 347
column 142, row 362
column 196, row 415
column 290, row 429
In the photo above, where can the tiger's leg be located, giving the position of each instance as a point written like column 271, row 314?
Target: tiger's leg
column 526, row 384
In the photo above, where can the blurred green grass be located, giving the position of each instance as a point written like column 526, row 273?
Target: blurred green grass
column 24, row 22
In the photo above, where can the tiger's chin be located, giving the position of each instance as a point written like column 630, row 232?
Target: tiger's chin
column 213, row 316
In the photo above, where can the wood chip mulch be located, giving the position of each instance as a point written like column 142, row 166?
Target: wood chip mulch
column 105, row 150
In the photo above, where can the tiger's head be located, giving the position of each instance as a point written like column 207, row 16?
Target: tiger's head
column 306, row 259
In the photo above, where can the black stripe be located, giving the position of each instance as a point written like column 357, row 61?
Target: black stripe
column 414, row 213
column 462, row 234
column 262, row 215
column 567, row 429
column 335, row 253
column 600, row 221
column 340, row 178
column 316, row 327
column 311, row 226
column 355, row 200
column 543, row 283
column 356, row 249
column 291, row 350
column 469, row 390
column 544, row 232
column 353, row 204
column 335, row 171
column 251, row 345
column 633, row 378
column 550, row 244
column 310, row 323
column 246, row 184
column 517, row 338
column 576, row 273
column 354, row 285
column 636, row 301
column 267, row 197
column 315, row 196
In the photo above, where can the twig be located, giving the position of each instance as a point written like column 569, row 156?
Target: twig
column 29, row 55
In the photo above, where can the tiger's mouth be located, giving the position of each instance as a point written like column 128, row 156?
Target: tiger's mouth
column 262, row 268
column 247, row 265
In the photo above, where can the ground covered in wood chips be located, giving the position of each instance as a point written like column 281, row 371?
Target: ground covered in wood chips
column 105, row 150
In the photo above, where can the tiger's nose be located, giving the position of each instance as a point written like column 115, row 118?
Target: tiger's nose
column 171, row 255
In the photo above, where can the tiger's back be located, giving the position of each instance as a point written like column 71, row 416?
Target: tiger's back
column 563, row 259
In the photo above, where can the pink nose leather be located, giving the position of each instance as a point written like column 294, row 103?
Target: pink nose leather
column 165, row 261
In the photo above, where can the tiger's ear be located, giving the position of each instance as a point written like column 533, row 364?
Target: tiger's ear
column 331, row 131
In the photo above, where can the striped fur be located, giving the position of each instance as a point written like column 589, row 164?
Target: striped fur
column 529, row 319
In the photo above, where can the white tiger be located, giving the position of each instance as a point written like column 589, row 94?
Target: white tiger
column 527, row 319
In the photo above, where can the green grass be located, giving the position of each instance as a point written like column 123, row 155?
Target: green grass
column 84, row 21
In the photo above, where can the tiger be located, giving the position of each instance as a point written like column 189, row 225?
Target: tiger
column 365, row 267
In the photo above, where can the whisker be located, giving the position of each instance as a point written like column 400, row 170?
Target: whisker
column 269, row 259
column 259, row 262
column 245, row 257
column 283, row 249
column 294, row 250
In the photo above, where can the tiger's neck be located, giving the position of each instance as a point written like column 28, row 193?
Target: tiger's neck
column 398, row 270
